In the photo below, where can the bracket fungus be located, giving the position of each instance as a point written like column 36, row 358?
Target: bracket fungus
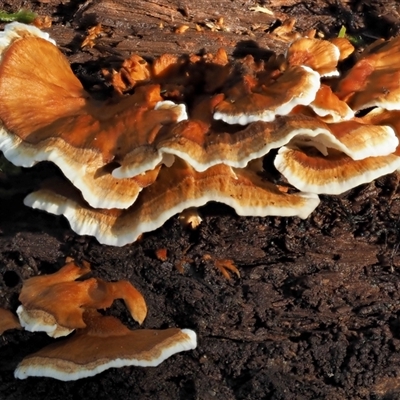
column 381, row 117
column 138, row 159
column 255, row 99
column 355, row 137
column 374, row 80
column 55, row 303
column 329, row 107
column 83, row 136
column 320, row 55
column 59, row 304
column 104, row 343
column 335, row 173
column 177, row 188
column 204, row 143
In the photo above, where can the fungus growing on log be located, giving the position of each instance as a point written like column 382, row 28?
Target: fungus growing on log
column 137, row 160
column 55, row 303
column 176, row 188
column 104, row 343
column 83, row 136
column 203, row 142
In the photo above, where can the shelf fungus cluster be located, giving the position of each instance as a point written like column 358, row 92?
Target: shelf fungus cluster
column 184, row 131
column 59, row 304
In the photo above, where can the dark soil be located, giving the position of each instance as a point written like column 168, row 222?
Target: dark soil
column 316, row 312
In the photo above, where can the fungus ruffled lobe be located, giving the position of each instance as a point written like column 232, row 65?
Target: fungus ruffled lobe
column 344, row 46
column 374, row 79
column 307, row 169
column 104, row 343
column 329, row 107
column 8, row 321
column 16, row 31
column 320, row 55
column 55, row 303
column 263, row 98
column 382, row 117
